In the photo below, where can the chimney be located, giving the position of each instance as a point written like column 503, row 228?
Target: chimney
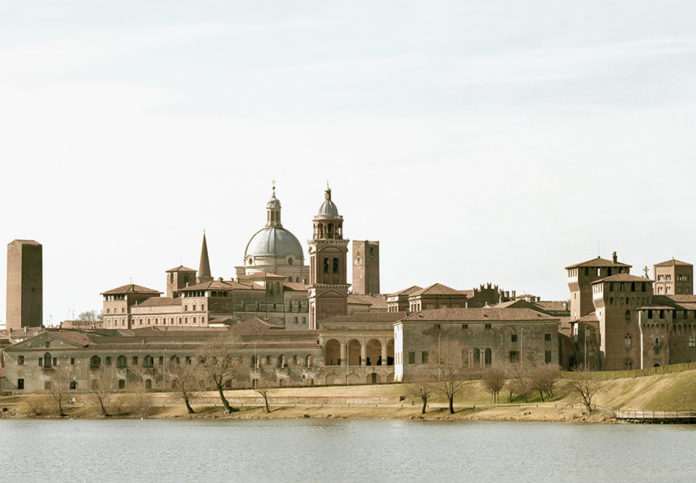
column 614, row 258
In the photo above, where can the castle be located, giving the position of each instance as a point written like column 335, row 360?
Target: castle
column 300, row 324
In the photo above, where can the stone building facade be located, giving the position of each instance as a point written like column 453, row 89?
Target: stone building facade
column 491, row 337
column 366, row 267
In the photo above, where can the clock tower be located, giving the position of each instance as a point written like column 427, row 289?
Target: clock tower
column 328, row 252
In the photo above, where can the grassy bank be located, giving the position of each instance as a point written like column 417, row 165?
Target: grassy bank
column 657, row 392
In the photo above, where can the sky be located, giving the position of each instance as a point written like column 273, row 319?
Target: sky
column 479, row 142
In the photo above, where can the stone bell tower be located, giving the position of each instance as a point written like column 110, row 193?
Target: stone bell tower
column 328, row 252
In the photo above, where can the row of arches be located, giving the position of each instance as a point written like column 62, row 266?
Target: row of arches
column 353, row 378
column 477, row 357
column 355, row 353
column 629, row 302
column 282, row 361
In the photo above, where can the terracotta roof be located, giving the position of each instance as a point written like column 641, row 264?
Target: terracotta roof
column 598, row 262
column 367, row 317
column 672, row 263
column 180, row 268
column 622, row 277
column 683, row 298
column 589, row 318
column 158, row 301
column 130, row 288
column 295, row 286
column 224, row 285
column 407, row 291
column 261, row 275
column 255, row 326
column 437, row 289
column 482, row 314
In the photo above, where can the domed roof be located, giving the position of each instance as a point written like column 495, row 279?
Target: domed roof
column 328, row 207
column 275, row 242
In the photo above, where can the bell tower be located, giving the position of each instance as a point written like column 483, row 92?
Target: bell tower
column 328, row 253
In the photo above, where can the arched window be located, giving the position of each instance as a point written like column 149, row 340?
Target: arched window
column 465, row 357
column 488, row 357
column 94, row 362
column 628, row 364
column 254, row 362
column 121, row 362
column 326, row 265
column 627, row 316
column 47, row 360
column 477, row 357
column 148, row 362
column 628, row 340
column 309, row 361
column 282, row 361
column 335, row 265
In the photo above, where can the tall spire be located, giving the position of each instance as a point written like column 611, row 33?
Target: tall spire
column 204, row 267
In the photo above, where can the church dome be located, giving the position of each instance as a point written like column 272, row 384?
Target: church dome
column 273, row 242
column 328, row 207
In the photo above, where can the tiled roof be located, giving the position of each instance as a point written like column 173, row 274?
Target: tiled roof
column 224, row 285
column 437, row 289
column 482, row 314
column 180, row 268
column 589, row 318
column 622, row 277
column 295, row 286
column 130, row 288
column 672, row 263
column 367, row 317
column 407, row 291
column 598, row 262
column 159, row 301
column 260, row 275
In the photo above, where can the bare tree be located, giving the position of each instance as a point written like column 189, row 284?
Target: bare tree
column 186, row 381
column 421, row 388
column 518, row 380
column 219, row 365
column 58, row 387
column 90, row 316
column 263, row 387
column 102, row 387
column 447, row 369
column 543, row 379
column 586, row 384
column 140, row 402
column 493, row 381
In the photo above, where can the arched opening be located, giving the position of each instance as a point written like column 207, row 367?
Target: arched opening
column 148, row 363
column 331, row 379
column 332, row 353
column 374, row 353
column 477, row 357
column 121, row 383
column 628, row 341
column 390, row 352
column 373, row 379
column 390, row 378
column 354, row 379
column 627, row 316
column 254, row 361
column 94, row 363
column 148, row 384
column 121, row 362
column 282, row 361
column 488, row 357
column 174, row 360
column 628, row 364
column 656, row 365
column 47, row 360
column 353, row 350
column 309, row 361
column 465, row 357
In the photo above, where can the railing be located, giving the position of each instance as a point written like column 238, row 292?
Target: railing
column 651, row 416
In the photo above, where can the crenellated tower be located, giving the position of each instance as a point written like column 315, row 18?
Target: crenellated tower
column 328, row 252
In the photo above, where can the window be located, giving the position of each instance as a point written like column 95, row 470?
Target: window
column 488, row 354
column 20, row 360
column 304, row 320
column 411, row 357
column 148, row 362
column 73, row 385
column 424, row 357
column 296, row 320
column 135, row 360
column 188, row 360
column 514, row 356
column 20, row 384
column 47, row 385
column 121, row 383
column 94, row 362
column 547, row 357
column 437, row 326
column 326, row 265
column 121, row 362
column 465, row 326
column 692, row 341
column 627, row 316
column 161, row 360
column 48, row 344
column 657, row 351
column 488, row 326
column 513, row 338
column 477, row 357
column 40, row 361
column 108, row 361
column 627, row 340
column 72, row 361
column 47, row 360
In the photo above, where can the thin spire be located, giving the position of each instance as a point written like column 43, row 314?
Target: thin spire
column 204, row 267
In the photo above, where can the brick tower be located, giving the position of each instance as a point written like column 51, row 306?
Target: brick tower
column 365, row 267
column 328, row 287
column 24, row 284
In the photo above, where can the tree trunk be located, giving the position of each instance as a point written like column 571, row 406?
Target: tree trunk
column 425, row 403
column 451, row 405
column 188, row 406
column 228, row 409
column 265, row 399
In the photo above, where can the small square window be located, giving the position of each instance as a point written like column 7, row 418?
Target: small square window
column 20, row 360
column 437, row 326
column 488, row 326
column 465, row 326
column 48, row 344
column 547, row 337
column 513, row 338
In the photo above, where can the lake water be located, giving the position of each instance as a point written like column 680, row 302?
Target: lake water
column 342, row 450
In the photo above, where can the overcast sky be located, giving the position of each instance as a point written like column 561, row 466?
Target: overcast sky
column 495, row 141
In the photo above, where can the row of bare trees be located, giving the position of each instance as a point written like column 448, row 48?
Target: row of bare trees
column 215, row 367
column 446, row 373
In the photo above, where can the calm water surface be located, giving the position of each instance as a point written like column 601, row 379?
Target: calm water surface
column 343, row 450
